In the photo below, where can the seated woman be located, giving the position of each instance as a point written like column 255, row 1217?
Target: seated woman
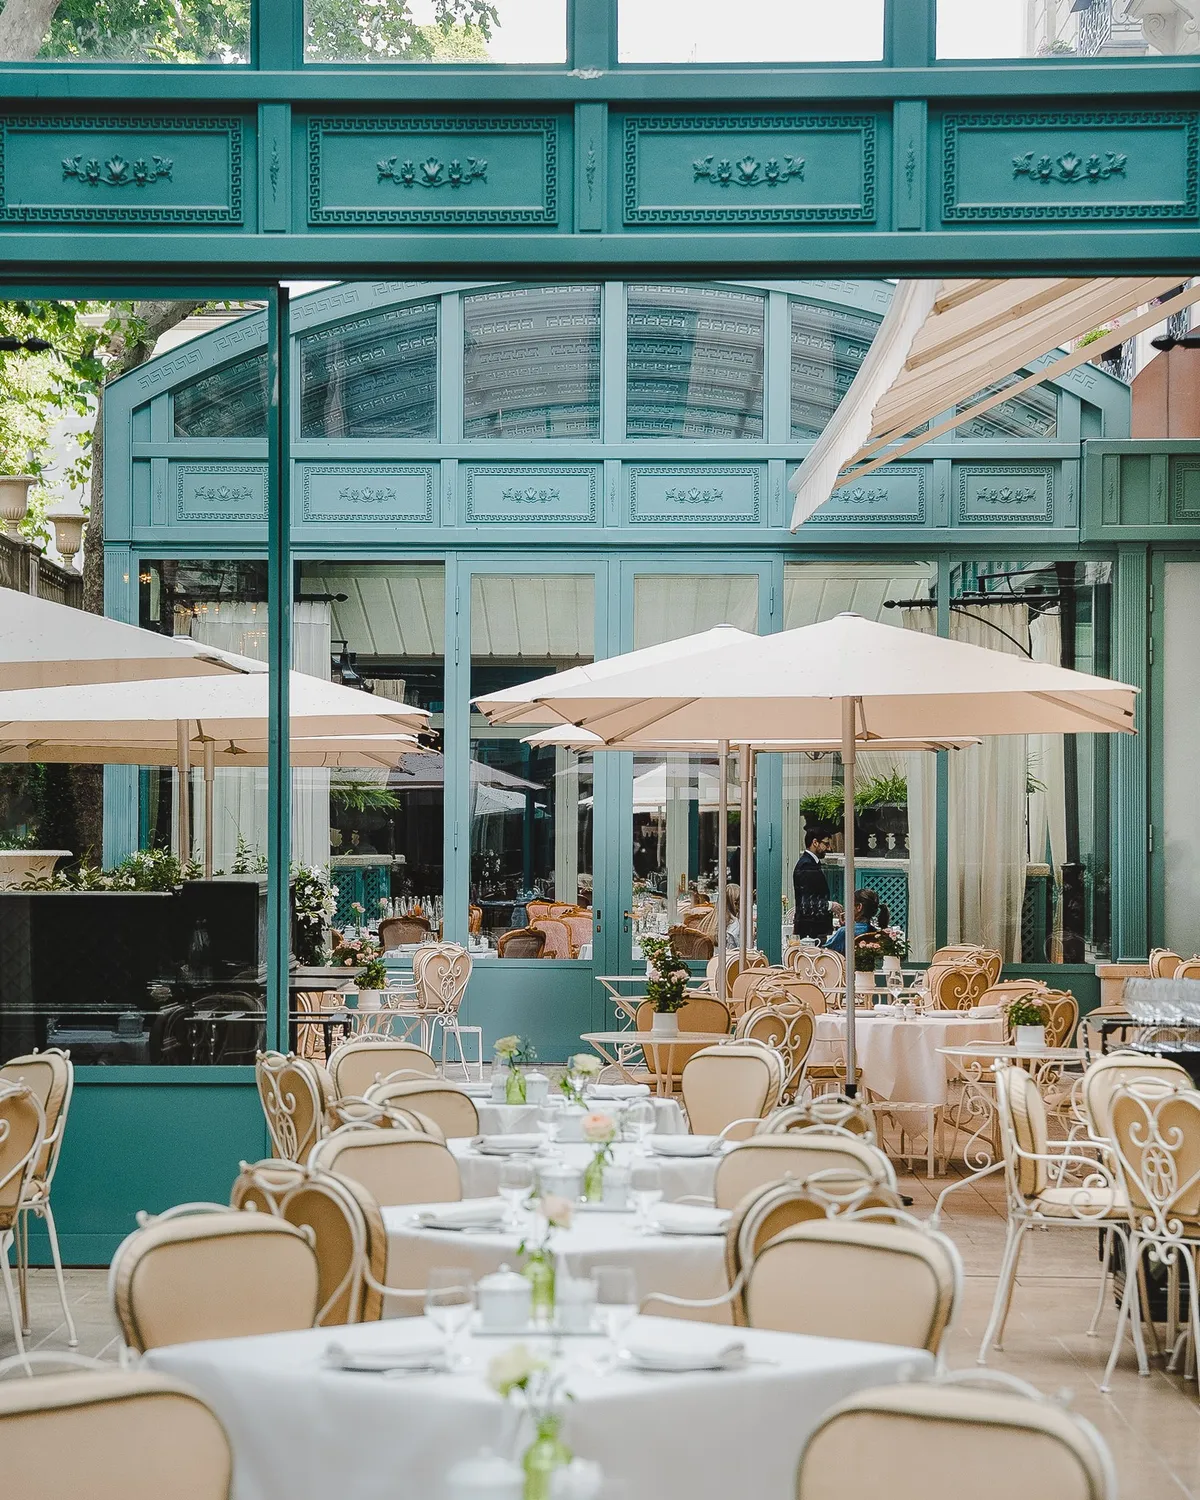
column 868, row 914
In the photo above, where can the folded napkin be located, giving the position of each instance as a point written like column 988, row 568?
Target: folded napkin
column 476, row 1090
column 987, row 1012
column 506, row 1145
column 427, row 1355
column 472, row 1213
column 619, row 1091
column 685, row 1145
column 689, row 1218
column 656, row 1354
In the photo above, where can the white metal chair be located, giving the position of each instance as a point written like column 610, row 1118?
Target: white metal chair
column 441, row 972
column 22, row 1137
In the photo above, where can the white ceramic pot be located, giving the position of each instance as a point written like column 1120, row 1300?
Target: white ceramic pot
column 14, row 500
column 537, row 1088
column 1030, row 1036
column 570, row 1125
column 20, row 865
column 864, row 984
column 665, row 1023
column 891, row 964
column 370, row 999
column 560, row 1179
column 505, row 1301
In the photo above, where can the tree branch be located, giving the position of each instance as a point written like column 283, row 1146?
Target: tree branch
column 24, row 27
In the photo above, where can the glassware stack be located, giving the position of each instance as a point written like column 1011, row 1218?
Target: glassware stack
column 1167, row 1014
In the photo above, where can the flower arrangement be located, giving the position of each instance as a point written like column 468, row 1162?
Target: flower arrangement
column 514, row 1052
column 667, row 975
column 374, row 975
column 599, row 1130
column 143, row 870
column 876, row 944
column 354, row 953
column 518, row 1371
column 550, row 1213
column 314, row 901
column 1025, row 1011
column 899, row 943
column 580, row 1068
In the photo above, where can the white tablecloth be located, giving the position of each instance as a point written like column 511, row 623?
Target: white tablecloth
column 682, row 1177
column 685, row 1265
column 303, row 1432
column 899, row 1059
column 522, row 1119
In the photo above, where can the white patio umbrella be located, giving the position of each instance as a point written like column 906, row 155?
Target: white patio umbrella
column 50, row 645
column 847, row 676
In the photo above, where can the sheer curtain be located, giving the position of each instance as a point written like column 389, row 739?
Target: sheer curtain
column 921, row 770
column 1048, row 794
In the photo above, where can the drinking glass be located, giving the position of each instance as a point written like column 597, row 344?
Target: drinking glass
column 449, row 1303
column 638, row 1122
column 516, row 1188
column 645, row 1190
column 895, row 983
column 548, row 1117
column 616, row 1301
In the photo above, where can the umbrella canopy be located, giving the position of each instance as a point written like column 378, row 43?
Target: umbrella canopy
column 570, row 737
column 50, row 645
column 366, row 752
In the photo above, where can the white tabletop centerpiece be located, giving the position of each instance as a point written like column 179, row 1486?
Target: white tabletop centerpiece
column 666, row 979
column 581, row 1070
column 513, row 1053
column 599, row 1131
column 519, row 1372
column 551, row 1213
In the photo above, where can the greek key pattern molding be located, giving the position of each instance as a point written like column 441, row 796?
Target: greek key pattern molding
column 1004, row 494
column 666, row 494
column 207, row 493
column 528, row 496
column 343, row 493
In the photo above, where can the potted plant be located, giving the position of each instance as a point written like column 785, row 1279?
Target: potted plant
column 1027, row 1022
column 22, row 860
column 371, row 983
column 666, row 978
column 513, row 1052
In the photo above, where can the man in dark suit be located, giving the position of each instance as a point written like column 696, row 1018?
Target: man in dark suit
column 813, row 915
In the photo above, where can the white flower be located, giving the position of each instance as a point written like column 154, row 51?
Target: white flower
column 586, row 1063
column 557, row 1212
column 512, row 1368
column 597, row 1128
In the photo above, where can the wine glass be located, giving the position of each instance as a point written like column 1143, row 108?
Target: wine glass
column 449, row 1303
column 616, row 1301
column 645, row 1190
column 516, row 1188
column 638, row 1123
column 895, row 983
column 548, row 1119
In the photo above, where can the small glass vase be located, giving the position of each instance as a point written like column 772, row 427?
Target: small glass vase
column 544, row 1457
column 539, row 1272
column 514, row 1088
column 593, row 1178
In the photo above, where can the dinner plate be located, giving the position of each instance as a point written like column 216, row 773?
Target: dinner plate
column 679, row 1360
column 619, row 1091
column 429, row 1357
column 685, row 1145
column 689, row 1218
column 507, row 1145
column 475, row 1213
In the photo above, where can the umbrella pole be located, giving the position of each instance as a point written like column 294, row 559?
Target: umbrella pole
column 848, row 887
column 722, row 864
column 745, row 906
column 210, row 776
column 184, row 763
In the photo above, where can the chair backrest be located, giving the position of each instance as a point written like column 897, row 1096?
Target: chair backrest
column 347, row 1227
column 356, row 1065
column 22, row 1134
column 970, row 956
column 955, row 986
column 295, row 1095
column 1188, row 969
column 688, row 943
column 1164, row 963
column 51, row 1076
column 440, row 972
column 1024, row 1135
column 395, row 1167
column 701, row 1013
column 453, row 1111
column 111, row 1435
column 818, row 966
column 823, row 1112
column 1062, row 1017
column 213, row 1275
column 799, row 1154
column 1009, row 990
column 728, row 1083
column 536, row 910
column 1156, row 1140
column 850, row 1278
column 474, row 918
column 934, row 1441
column 559, row 909
column 521, row 942
column 557, row 935
column 579, row 928
column 1115, row 1068
column 398, row 932
column 789, row 1029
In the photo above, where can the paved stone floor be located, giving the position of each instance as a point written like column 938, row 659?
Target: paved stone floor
column 1152, row 1425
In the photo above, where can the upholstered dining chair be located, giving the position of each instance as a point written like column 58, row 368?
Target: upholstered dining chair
column 206, row 1272
column 1164, row 963
column 1188, row 969
column 1108, row 1072
column 537, row 909
column 402, row 932
column 453, row 1111
column 731, row 1084
column 441, row 972
column 394, row 1166
column 790, row 1028
column 955, row 986
column 579, row 925
column 691, row 944
column 111, row 1435
column 51, row 1075
column 521, row 942
column 798, row 1154
column 22, row 1137
column 970, row 956
column 835, row 1112
column 557, row 935
column 699, row 1013
column 819, row 966
column 935, row 1440
column 296, row 1094
column 357, row 1064
column 348, row 1232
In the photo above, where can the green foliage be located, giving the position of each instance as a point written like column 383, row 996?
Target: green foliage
column 373, row 975
column 876, row 791
column 665, row 990
column 18, row 841
column 365, row 30
column 154, row 31
column 1025, row 1011
column 363, row 796
column 144, row 870
column 246, row 860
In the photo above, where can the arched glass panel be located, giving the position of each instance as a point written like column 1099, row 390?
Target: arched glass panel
column 695, row 362
column 531, row 362
column 226, row 403
column 1031, row 415
column 374, row 376
column 828, row 346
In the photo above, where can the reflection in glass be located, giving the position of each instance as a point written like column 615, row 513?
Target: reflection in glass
column 1032, row 415
column 531, row 363
column 1057, row 29
column 151, row 31
column 228, row 403
column 695, row 362
column 531, row 806
column 828, row 346
column 374, row 376
column 436, row 31
column 704, row 31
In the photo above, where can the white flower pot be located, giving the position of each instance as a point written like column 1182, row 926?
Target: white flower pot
column 864, row 984
column 664, row 1023
column 14, row 500
column 891, row 964
column 369, row 999
column 1030, row 1036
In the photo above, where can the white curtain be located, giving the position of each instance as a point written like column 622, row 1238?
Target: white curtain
column 240, row 797
column 922, row 826
column 1047, row 767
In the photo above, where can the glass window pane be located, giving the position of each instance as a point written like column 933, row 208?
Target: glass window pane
column 1028, row 831
column 828, row 346
column 531, row 807
column 150, row 31
column 695, row 362
column 436, row 31
column 372, row 377
column 1058, row 29
column 531, row 363
column 895, row 792
column 703, row 31
column 667, row 606
column 1032, row 415
column 228, row 403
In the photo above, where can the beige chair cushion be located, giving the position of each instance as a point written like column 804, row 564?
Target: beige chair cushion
column 213, row 1276
column 1027, row 1112
column 798, row 1154
column 1156, row 1134
column 929, row 1442
column 1115, row 1069
column 723, row 1084
column 1082, row 1203
column 295, row 1097
column 355, row 1066
column 51, row 1076
column 841, row 1278
column 448, row 1107
column 21, row 1132
column 124, row 1435
column 393, row 1166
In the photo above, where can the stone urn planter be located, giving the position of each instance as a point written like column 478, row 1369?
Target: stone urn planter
column 14, row 500
column 19, row 865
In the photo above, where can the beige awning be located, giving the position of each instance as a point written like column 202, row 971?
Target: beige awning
column 943, row 343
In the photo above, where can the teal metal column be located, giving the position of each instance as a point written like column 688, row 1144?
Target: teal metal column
column 592, row 34
column 1130, row 813
column 941, row 888
column 909, row 33
column 456, row 751
column 279, row 625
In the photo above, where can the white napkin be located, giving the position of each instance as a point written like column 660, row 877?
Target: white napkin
column 668, row 1355
column 986, row 1012
column 619, row 1090
column 506, row 1145
column 427, row 1355
column 472, row 1213
column 689, row 1218
column 476, row 1090
column 685, row 1145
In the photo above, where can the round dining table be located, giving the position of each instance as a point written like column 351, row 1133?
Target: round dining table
column 902, row 1058
column 681, row 1176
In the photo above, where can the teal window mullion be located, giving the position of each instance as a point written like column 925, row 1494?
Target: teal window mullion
column 778, row 371
column 909, row 33
column 592, row 34
column 941, row 884
column 279, row 626
column 613, row 360
column 450, row 364
column 456, row 750
column 277, row 35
